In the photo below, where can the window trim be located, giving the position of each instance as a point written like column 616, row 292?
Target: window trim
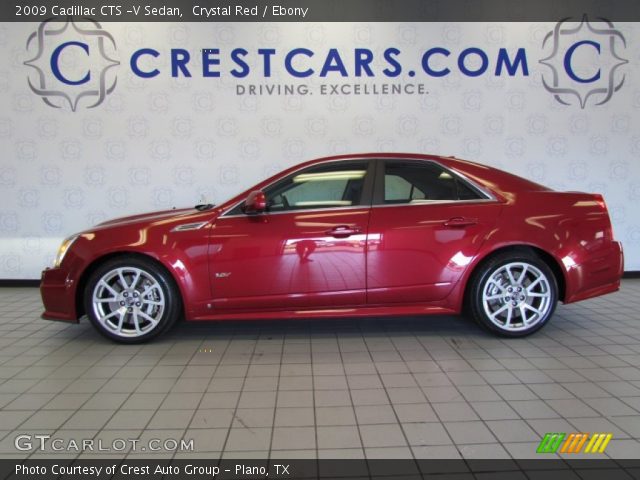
column 365, row 200
column 429, row 203
column 379, row 188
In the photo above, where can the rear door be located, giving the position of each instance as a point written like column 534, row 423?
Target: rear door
column 426, row 225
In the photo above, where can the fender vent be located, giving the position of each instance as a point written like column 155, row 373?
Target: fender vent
column 188, row 226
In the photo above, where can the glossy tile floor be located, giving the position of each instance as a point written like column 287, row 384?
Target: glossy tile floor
column 384, row 388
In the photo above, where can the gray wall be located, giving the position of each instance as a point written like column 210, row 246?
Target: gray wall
column 164, row 142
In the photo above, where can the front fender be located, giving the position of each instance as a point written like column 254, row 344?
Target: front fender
column 182, row 253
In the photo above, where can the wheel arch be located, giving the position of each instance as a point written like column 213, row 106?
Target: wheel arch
column 545, row 256
column 97, row 262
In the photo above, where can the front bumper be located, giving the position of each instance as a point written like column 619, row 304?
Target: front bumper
column 58, row 294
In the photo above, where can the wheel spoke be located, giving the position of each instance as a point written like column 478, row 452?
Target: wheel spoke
column 108, row 316
column 523, row 314
column 499, row 311
column 136, row 322
column 152, row 302
column 134, row 282
column 522, row 274
column 108, row 287
column 105, row 300
column 540, row 295
column 507, row 322
column 533, row 309
column 494, row 297
column 123, row 280
column 120, row 322
column 148, row 317
column 510, row 274
column 533, row 284
column 147, row 291
column 494, row 282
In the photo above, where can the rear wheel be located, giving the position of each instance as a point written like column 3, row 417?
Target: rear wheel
column 131, row 300
column 513, row 294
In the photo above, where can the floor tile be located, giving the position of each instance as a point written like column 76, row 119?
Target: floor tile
column 382, row 436
column 380, row 388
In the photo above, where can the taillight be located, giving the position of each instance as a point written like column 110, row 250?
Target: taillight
column 608, row 232
column 600, row 201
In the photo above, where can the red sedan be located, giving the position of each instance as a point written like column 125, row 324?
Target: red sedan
column 357, row 235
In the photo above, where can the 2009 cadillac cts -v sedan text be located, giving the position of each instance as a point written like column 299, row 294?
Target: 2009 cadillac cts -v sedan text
column 358, row 235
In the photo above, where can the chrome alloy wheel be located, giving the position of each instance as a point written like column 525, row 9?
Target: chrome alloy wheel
column 128, row 301
column 517, row 296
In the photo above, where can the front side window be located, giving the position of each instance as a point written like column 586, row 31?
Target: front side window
column 337, row 184
column 420, row 182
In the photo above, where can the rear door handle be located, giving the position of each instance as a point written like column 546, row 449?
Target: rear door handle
column 343, row 231
column 460, row 222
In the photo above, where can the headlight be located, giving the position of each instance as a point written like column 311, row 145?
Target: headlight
column 62, row 250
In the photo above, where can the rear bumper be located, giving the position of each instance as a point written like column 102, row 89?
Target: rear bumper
column 58, row 296
column 597, row 276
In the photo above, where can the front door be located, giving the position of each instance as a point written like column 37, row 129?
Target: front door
column 306, row 251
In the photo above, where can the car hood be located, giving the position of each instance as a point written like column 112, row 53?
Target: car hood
column 189, row 214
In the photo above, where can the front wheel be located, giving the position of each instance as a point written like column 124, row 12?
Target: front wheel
column 513, row 294
column 131, row 300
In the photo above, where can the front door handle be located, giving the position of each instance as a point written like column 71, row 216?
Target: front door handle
column 343, row 231
column 460, row 222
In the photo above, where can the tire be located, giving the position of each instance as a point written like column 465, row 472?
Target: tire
column 513, row 294
column 131, row 300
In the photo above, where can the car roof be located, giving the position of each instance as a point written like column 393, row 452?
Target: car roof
column 501, row 184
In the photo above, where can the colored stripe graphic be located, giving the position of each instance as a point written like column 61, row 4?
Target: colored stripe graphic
column 574, row 442
column 550, row 442
column 598, row 443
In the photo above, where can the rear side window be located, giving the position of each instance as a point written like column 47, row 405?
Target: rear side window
column 420, row 182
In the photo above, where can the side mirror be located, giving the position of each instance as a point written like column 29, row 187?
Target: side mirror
column 256, row 202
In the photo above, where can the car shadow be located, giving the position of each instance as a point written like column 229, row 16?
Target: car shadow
column 390, row 327
column 456, row 329
column 398, row 327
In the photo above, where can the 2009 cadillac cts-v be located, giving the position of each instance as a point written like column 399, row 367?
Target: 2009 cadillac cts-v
column 359, row 235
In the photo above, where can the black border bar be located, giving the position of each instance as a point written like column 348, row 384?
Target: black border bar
column 323, row 10
column 240, row 469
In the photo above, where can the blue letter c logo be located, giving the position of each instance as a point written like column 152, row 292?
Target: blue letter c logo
column 569, row 68
column 56, row 69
